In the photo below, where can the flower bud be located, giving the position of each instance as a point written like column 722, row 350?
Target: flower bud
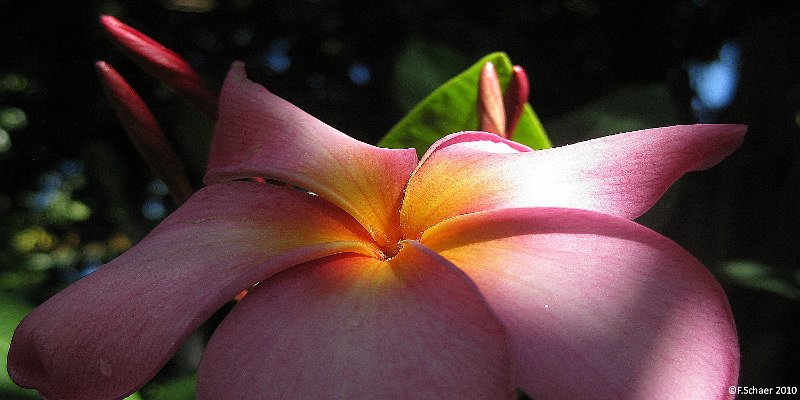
column 491, row 114
column 162, row 63
column 145, row 132
column 515, row 98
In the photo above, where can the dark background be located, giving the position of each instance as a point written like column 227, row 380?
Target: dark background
column 73, row 192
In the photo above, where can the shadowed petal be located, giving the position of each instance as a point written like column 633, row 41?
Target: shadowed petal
column 622, row 175
column 596, row 306
column 352, row 327
column 109, row 333
column 260, row 134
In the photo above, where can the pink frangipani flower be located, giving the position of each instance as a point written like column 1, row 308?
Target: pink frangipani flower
column 483, row 268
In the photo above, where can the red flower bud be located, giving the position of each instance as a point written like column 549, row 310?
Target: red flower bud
column 162, row 63
column 515, row 98
column 491, row 115
column 145, row 132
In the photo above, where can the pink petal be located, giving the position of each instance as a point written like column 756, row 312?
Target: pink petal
column 260, row 134
column 596, row 306
column 352, row 327
column 109, row 333
column 622, row 175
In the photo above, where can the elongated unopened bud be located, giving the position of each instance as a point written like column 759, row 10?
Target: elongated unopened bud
column 162, row 63
column 491, row 114
column 515, row 98
column 145, row 132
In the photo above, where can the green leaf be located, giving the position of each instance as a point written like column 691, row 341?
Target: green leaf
column 452, row 108
column 11, row 313
column 530, row 131
column 182, row 388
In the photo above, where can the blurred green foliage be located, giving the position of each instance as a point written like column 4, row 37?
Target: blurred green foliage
column 421, row 67
column 759, row 276
column 623, row 110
